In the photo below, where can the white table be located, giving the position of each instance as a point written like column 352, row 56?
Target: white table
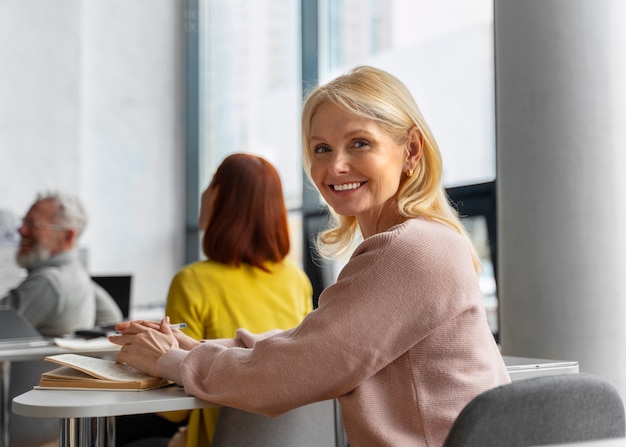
column 10, row 354
column 22, row 354
column 88, row 417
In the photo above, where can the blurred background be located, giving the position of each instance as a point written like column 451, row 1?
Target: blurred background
column 132, row 105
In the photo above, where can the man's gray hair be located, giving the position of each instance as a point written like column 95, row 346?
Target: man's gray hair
column 70, row 213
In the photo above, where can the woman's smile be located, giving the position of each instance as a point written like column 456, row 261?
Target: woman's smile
column 340, row 187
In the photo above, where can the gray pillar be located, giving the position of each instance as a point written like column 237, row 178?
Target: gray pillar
column 561, row 169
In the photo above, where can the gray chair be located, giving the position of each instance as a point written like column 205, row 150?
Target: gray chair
column 313, row 425
column 26, row 431
column 539, row 411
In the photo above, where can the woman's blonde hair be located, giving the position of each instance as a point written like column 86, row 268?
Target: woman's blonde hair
column 377, row 95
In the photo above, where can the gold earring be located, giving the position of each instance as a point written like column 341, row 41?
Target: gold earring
column 409, row 173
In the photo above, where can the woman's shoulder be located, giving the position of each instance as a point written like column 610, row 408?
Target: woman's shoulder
column 203, row 269
column 211, row 269
column 420, row 246
column 417, row 238
column 287, row 264
column 287, row 268
column 418, row 231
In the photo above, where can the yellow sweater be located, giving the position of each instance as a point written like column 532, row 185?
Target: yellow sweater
column 215, row 300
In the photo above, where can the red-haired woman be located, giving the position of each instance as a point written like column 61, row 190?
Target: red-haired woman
column 247, row 281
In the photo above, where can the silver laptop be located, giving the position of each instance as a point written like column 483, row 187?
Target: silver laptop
column 16, row 331
column 525, row 368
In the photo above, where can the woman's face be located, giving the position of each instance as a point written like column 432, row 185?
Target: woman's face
column 357, row 167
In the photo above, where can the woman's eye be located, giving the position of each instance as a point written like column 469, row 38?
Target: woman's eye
column 358, row 144
column 320, row 149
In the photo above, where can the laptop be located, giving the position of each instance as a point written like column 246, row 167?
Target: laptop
column 16, row 331
column 525, row 368
column 119, row 288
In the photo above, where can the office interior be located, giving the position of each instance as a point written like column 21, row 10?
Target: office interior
column 131, row 105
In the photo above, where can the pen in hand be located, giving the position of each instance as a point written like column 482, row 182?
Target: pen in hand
column 173, row 326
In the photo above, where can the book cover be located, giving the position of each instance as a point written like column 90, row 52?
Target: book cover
column 85, row 372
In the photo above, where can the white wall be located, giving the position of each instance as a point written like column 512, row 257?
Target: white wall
column 91, row 103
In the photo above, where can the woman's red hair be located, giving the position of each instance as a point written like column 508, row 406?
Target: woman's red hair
column 249, row 219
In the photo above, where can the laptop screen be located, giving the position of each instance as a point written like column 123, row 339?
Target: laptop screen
column 14, row 328
column 119, row 289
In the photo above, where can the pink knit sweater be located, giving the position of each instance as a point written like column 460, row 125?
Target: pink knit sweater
column 401, row 339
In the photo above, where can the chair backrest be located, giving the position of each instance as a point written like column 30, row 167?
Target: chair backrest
column 28, row 431
column 118, row 287
column 312, row 425
column 539, row 411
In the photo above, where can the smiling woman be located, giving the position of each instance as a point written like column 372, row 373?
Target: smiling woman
column 372, row 156
column 374, row 134
column 356, row 165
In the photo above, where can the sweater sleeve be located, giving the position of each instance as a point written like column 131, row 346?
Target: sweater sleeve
column 395, row 290
column 36, row 298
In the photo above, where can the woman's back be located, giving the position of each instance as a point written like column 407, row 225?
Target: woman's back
column 216, row 299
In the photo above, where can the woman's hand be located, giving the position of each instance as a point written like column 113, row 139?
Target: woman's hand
column 143, row 343
column 121, row 327
column 184, row 341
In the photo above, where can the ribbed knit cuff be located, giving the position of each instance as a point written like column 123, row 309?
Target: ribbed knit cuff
column 168, row 366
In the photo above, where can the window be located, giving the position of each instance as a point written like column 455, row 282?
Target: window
column 249, row 91
column 442, row 51
column 250, row 85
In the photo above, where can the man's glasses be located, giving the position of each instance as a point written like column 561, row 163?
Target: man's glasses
column 31, row 223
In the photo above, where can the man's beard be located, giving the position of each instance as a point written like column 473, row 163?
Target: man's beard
column 33, row 258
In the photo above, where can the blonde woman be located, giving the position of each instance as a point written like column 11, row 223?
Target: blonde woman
column 401, row 339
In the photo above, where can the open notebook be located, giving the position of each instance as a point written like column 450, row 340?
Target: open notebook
column 16, row 331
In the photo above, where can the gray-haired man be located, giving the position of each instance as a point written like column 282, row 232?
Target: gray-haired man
column 57, row 296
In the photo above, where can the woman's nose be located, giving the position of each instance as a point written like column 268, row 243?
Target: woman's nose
column 339, row 163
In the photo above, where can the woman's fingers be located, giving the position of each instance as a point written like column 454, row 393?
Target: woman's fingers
column 126, row 324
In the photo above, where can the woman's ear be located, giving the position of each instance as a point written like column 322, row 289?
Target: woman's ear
column 414, row 147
